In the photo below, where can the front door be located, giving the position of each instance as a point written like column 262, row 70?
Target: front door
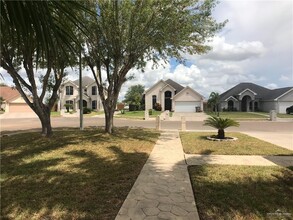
column 168, row 101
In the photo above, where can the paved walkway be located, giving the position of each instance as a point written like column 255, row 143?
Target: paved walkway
column 163, row 189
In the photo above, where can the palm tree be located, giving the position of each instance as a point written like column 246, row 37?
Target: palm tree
column 220, row 124
column 214, row 101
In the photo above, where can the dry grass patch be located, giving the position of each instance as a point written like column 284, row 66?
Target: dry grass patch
column 197, row 143
column 242, row 192
column 74, row 175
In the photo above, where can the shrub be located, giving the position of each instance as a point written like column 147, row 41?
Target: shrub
column 158, row 107
column 132, row 107
column 221, row 124
column 122, row 111
column 87, row 110
column 68, row 106
column 150, row 111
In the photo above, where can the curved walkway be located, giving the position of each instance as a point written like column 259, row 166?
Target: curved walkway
column 163, row 189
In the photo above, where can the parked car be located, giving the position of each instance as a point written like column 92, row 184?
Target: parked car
column 289, row 110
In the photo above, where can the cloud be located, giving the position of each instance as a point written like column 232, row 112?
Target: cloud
column 271, row 86
column 223, row 51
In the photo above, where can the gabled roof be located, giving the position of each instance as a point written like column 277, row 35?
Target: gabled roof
column 236, row 90
column 86, row 80
column 187, row 87
column 277, row 93
column 170, row 82
column 175, row 85
column 9, row 93
column 261, row 92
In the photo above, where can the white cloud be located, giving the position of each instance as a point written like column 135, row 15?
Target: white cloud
column 271, row 86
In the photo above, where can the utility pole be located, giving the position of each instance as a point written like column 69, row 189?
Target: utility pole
column 80, row 95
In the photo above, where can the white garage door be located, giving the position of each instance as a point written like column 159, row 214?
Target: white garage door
column 283, row 106
column 186, row 106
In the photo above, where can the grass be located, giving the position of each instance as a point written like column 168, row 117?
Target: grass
column 242, row 192
column 55, row 114
column 242, row 115
column 74, row 175
column 196, row 143
column 284, row 115
column 93, row 113
column 136, row 114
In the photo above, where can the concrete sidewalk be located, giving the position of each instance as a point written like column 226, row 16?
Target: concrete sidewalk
column 195, row 159
column 163, row 189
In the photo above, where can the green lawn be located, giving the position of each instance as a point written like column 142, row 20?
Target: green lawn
column 285, row 115
column 242, row 192
column 136, row 114
column 55, row 114
column 196, row 143
column 242, row 115
column 74, row 175
column 93, row 113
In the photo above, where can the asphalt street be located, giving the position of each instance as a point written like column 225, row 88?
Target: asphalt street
column 8, row 125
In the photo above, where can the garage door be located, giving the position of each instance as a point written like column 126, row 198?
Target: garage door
column 186, row 106
column 283, row 106
column 19, row 107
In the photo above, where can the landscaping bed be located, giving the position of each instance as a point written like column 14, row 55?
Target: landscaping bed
column 242, row 192
column 197, row 143
column 73, row 175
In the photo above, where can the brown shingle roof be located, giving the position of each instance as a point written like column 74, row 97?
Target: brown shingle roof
column 8, row 93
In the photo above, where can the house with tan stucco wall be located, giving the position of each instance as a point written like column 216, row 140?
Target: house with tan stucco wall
column 69, row 94
column 173, row 97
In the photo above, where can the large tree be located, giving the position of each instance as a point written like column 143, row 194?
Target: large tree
column 35, row 33
column 127, row 34
column 134, row 95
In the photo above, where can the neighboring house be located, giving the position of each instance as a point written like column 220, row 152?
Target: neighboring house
column 173, row 96
column 251, row 97
column 69, row 94
column 13, row 102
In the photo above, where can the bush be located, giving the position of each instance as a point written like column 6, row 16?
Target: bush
column 122, row 111
column 150, row 111
column 133, row 107
column 68, row 106
column 158, row 107
column 87, row 110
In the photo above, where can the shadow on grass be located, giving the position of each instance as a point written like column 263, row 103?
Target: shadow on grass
column 77, row 184
column 242, row 192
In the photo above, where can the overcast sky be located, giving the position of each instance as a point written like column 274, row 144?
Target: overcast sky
column 254, row 46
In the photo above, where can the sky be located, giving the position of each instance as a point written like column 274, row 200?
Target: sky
column 256, row 45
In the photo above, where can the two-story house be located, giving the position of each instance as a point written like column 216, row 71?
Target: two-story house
column 69, row 94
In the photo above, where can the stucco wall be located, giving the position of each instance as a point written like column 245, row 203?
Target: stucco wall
column 153, row 91
column 247, row 92
column 188, row 95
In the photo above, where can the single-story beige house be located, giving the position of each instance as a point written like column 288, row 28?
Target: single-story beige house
column 249, row 97
column 173, row 97
column 12, row 101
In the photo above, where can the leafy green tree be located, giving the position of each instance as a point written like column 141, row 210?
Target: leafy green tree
column 37, row 33
column 221, row 124
column 127, row 34
column 134, row 95
column 214, row 101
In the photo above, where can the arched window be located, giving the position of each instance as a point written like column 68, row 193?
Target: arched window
column 230, row 105
column 154, row 101
column 69, row 90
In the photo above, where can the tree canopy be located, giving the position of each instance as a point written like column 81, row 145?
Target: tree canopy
column 39, row 32
column 134, row 95
column 127, row 34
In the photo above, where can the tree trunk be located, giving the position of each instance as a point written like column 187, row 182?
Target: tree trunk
column 45, row 118
column 221, row 134
column 109, row 122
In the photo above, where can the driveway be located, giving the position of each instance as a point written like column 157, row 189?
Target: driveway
column 17, row 115
column 189, row 116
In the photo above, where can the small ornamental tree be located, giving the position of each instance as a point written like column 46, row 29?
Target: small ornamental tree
column 221, row 124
